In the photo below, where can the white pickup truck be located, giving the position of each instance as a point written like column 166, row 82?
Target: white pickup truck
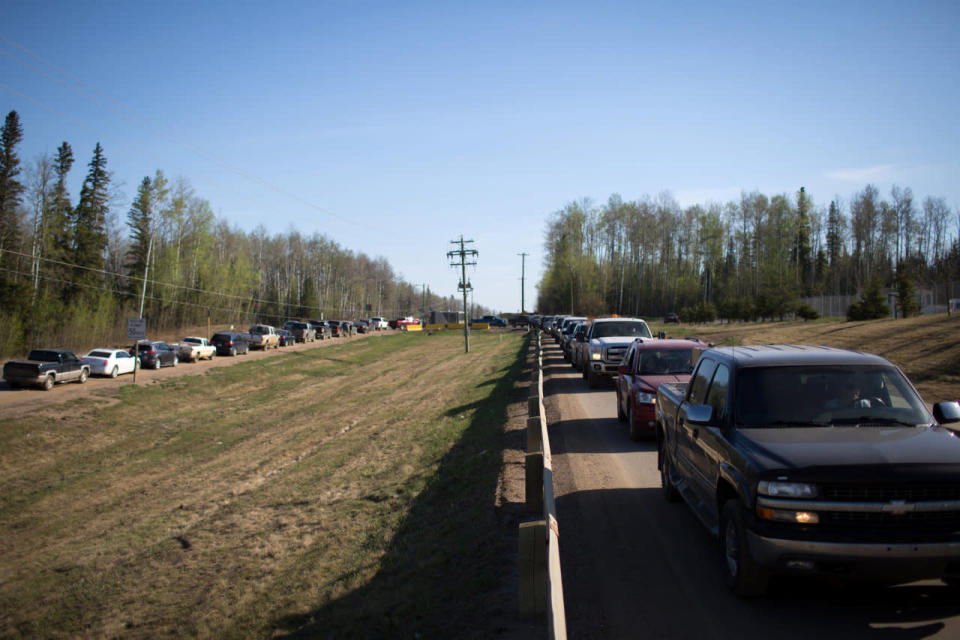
column 264, row 336
column 191, row 349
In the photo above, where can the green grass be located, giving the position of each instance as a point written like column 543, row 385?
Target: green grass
column 304, row 494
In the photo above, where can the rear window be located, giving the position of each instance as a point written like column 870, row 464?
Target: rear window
column 99, row 354
column 665, row 362
column 221, row 337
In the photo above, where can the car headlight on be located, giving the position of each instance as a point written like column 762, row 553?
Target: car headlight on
column 646, row 398
column 779, row 489
column 595, row 355
column 785, row 515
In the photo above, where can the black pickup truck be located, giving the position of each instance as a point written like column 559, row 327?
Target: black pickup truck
column 813, row 460
column 44, row 368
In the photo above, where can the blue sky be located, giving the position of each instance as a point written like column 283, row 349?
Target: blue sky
column 394, row 128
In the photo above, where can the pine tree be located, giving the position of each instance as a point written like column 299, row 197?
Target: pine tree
column 140, row 221
column 59, row 237
column 906, row 296
column 10, row 189
column 90, row 221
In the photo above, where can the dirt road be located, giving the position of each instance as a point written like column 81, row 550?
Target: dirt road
column 16, row 402
column 635, row 565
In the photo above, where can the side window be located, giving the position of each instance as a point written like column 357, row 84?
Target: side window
column 700, row 380
column 717, row 395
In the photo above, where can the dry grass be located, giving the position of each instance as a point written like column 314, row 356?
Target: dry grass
column 927, row 348
column 342, row 492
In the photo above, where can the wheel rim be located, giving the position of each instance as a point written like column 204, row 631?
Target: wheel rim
column 731, row 549
column 113, row 374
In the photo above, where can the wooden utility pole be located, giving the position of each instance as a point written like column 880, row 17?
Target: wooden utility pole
column 523, row 269
column 463, row 254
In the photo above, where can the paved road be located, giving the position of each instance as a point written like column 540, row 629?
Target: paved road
column 635, row 566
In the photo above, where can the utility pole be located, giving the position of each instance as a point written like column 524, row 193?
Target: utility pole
column 463, row 254
column 523, row 269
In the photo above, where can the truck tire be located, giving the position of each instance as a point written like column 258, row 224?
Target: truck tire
column 47, row 383
column 156, row 363
column 176, row 360
column 635, row 432
column 593, row 380
column 84, row 373
column 742, row 574
column 670, row 493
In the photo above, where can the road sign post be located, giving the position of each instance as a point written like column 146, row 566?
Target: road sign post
column 136, row 331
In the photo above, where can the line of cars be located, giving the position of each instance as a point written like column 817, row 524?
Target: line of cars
column 624, row 349
column 800, row 460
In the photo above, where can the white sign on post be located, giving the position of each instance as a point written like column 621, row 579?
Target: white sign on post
column 136, row 329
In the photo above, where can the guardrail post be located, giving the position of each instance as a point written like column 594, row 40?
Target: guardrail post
column 533, row 568
column 534, row 469
column 534, row 436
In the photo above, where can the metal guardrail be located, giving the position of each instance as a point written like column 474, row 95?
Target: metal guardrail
column 541, row 584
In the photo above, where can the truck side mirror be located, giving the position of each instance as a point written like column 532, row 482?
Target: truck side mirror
column 947, row 412
column 700, row 414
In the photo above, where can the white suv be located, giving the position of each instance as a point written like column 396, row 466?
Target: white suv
column 379, row 323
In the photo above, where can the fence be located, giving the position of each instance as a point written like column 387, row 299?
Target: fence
column 541, row 585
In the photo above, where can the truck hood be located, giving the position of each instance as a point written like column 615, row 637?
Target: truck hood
column 653, row 382
column 613, row 340
column 812, row 449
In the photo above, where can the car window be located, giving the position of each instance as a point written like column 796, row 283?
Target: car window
column 99, row 354
column 607, row 329
column 665, row 362
column 717, row 395
column 698, row 385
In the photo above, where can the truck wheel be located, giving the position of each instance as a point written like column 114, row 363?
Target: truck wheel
column 156, row 363
column 635, row 433
column 47, row 383
column 84, row 374
column 233, row 351
column 593, row 380
column 114, row 372
column 670, row 493
column 176, row 360
column 742, row 574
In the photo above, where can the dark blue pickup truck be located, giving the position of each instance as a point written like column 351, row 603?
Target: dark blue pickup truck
column 813, row 460
column 44, row 368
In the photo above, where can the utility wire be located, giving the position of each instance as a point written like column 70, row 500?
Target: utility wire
column 145, row 123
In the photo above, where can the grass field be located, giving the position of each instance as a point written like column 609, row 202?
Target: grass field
column 337, row 492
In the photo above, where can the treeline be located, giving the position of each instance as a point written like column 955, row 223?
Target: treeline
column 71, row 272
column 747, row 259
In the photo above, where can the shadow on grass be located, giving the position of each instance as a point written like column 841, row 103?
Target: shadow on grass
column 443, row 573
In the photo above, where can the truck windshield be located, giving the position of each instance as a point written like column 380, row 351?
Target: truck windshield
column 621, row 329
column 826, row 395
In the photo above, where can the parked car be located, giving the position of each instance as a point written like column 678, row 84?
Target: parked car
column 645, row 366
column 576, row 344
column 263, row 336
column 813, row 461
column 44, row 368
column 347, row 328
column 671, row 318
column 566, row 336
column 110, row 362
column 335, row 329
column 230, row 343
column 156, row 354
column 362, row 326
column 379, row 323
column 192, row 349
column 301, row 331
column 286, row 338
column 322, row 328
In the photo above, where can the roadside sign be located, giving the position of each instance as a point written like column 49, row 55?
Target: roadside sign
column 136, row 329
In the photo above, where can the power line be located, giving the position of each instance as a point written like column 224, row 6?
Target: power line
column 145, row 123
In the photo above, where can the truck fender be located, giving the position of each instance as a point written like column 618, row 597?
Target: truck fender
column 729, row 476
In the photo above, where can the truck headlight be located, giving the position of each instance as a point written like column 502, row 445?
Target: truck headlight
column 778, row 489
column 646, row 398
column 784, row 515
column 595, row 355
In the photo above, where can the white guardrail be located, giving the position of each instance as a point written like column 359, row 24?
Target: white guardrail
column 541, row 585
